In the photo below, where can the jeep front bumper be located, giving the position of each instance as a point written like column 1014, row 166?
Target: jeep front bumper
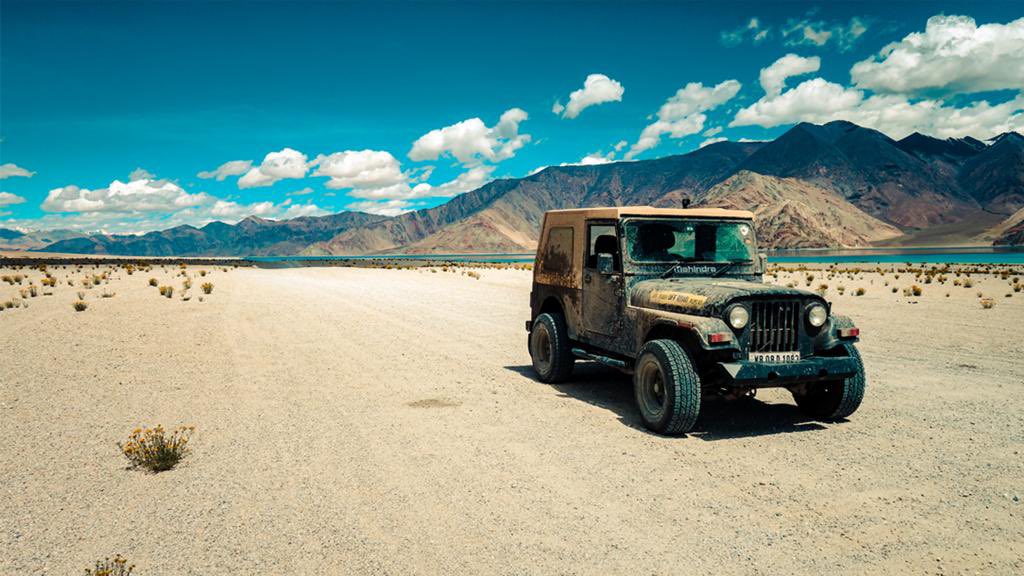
column 762, row 375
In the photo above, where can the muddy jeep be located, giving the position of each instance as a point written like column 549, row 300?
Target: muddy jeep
column 675, row 297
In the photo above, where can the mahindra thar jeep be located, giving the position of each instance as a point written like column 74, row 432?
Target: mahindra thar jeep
column 675, row 297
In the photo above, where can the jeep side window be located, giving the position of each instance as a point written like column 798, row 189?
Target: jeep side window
column 602, row 239
column 558, row 251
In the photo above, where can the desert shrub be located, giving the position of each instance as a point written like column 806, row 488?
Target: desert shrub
column 473, row 274
column 106, row 294
column 154, row 449
column 987, row 303
column 167, row 291
column 186, row 283
column 18, row 278
column 33, row 290
column 207, row 287
column 107, row 567
column 967, row 283
column 23, row 292
column 153, row 282
column 202, row 273
column 79, row 305
column 49, row 281
column 860, row 292
column 7, row 278
column 915, row 290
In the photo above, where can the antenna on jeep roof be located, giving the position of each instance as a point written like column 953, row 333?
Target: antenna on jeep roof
column 686, row 202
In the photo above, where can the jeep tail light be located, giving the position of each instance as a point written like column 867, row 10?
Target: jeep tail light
column 719, row 337
column 849, row 332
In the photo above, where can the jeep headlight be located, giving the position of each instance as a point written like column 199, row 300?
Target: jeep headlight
column 816, row 315
column 738, row 317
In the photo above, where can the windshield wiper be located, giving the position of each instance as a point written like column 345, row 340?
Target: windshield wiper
column 729, row 266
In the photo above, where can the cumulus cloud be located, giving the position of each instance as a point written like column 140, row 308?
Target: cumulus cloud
column 472, row 142
column 142, row 195
column 9, row 170
column 140, row 174
column 231, row 168
column 597, row 89
column 773, row 78
column 386, row 208
column 818, row 100
column 360, row 169
column 952, row 55
column 683, row 113
column 302, row 192
column 234, row 210
column 276, row 166
column 6, row 199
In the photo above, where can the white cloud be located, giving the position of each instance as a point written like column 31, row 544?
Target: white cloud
column 819, row 101
column 236, row 211
column 360, row 169
column 9, row 170
column 6, row 199
column 231, row 168
column 683, row 113
column 597, row 89
column 302, row 192
column 276, row 166
column 713, row 131
column 299, row 210
column 818, row 33
column 713, row 141
column 386, row 208
column 472, row 142
column 773, row 78
column 753, row 29
column 135, row 196
column 952, row 55
column 141, row 174
column 469, row 180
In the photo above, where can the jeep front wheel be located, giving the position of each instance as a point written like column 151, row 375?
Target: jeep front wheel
column 834, row 399
column 550, row 349
column 667, row 388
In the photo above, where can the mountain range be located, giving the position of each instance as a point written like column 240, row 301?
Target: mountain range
column 832, row 185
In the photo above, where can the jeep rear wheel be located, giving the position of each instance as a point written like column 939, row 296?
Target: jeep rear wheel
column 550, row 349
column 667, row 388
column 834, row 399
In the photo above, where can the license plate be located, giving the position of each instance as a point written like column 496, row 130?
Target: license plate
column 774, row 357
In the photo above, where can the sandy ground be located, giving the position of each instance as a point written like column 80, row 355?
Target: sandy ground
column 353, row 421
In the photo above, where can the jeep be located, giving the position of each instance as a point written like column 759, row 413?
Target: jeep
column 676, row 298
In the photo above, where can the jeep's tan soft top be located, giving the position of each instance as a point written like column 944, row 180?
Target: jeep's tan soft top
column 623, row 211
column 569, row 274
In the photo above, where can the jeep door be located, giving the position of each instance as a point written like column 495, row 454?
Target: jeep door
column 602, row 291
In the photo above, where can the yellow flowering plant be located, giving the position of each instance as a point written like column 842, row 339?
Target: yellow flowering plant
column 156, row 450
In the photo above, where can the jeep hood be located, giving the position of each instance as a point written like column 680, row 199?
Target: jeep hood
column 703, row 296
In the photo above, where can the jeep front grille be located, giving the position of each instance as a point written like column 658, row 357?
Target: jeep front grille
column 774, row 326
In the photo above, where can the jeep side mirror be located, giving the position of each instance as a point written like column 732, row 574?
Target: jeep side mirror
column 605, row 264
column 762, row 262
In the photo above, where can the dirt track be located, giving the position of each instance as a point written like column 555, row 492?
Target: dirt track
column 372, row 421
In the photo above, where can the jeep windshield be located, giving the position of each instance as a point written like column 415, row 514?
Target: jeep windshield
column 674, row 241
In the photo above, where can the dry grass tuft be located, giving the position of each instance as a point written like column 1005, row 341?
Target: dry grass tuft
column 80, row 305
column 167, row 291
column 154, row 449
column 987, row 303
column 153, row 282
column 207, row 287
column 859, row 292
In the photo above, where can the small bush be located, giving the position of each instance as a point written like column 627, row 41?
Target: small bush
column 106, row 294
column 915, row 290
column 987, row 303
column 207, row 287
column 79, row 305
column 107, row 567
column 153, row 282
column 860, row 292
column 167, row 291
column 155, row 450
column 967, row 283
column 186, row 284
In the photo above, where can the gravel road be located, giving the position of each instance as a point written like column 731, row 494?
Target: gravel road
column 353, row 421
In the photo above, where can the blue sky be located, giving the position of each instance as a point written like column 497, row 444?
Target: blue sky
column 109, row 112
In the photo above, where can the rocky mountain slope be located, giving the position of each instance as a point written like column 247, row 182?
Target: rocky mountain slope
column 833, row 185
column 11, row 239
